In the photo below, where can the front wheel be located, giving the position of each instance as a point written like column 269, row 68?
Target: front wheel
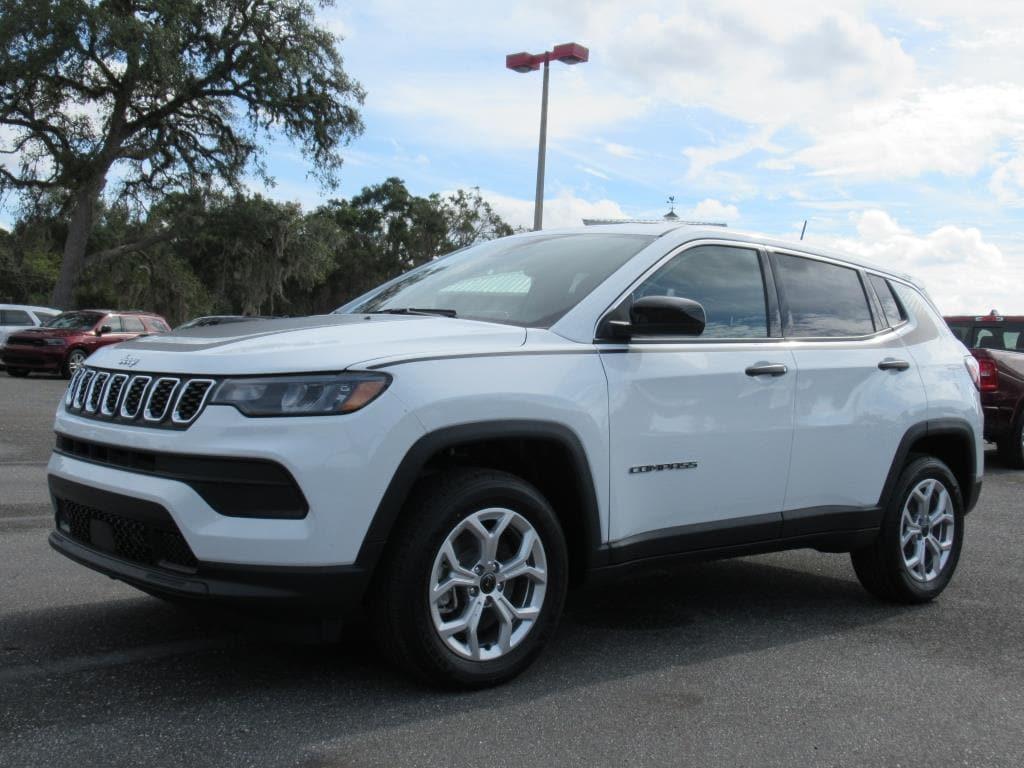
column 473, row 586
column 918, row 547
column 73, row 362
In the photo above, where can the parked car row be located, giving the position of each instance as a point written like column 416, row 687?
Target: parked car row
column 997, row 341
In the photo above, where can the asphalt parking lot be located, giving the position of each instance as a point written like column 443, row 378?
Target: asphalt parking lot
column 776, row 660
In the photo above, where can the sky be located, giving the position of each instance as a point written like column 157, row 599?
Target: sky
column 895, row 129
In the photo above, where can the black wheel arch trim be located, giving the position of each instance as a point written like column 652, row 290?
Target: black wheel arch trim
column 932, row 428
column 427, row 446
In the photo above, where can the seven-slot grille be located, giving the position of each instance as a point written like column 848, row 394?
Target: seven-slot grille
column 156, row 401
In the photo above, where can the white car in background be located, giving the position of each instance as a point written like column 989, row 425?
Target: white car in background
column 17, row 317
column 455, row 448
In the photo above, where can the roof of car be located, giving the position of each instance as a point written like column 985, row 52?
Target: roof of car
column 676, row 233
column 30, row 307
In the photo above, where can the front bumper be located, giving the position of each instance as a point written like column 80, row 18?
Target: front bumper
column 33, row 358
column 126, row 539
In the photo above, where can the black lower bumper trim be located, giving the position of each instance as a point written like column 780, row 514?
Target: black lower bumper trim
column 973, row 494
column 325, row 589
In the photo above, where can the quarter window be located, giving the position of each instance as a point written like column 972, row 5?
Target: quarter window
column 726, row 281
column 823, row 299
column 894, row 314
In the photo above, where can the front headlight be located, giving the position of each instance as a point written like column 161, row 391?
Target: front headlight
column 55, row 342
column 319, row 394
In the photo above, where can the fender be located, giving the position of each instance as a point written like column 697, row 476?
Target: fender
column 422, row 450
column 931, row 428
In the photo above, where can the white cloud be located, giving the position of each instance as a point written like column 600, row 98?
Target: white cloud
column 1007, row 183
column 565, row 210
column 962, row 271
column 712, row 211
column 621, row 150
column 593, row 172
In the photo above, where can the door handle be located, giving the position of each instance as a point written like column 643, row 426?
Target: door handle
column 767, row 369
column 891, row 364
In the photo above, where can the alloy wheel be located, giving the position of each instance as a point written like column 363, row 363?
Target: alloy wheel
column 488, row 583
column 927, row 530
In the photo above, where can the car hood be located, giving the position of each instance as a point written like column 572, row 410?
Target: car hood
column 318, row 343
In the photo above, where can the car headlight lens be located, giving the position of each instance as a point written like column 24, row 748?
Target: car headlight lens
column 55, row 342
column 311, row 395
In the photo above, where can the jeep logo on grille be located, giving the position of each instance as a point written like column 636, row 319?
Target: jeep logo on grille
column 128, row 361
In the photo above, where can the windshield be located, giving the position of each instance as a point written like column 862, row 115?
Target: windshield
column 75, row 321
column 528, row 281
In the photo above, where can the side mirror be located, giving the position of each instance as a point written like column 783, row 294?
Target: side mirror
column 104, row 329
column 661, row 316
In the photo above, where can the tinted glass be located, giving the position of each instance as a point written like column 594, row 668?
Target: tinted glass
column 79, row 321
column 894, row 314
column 824, row 299
column 15, row 317
column 961, row 331
column 530, row 281
column 114, row 322
column 1009, row 337
column 133, row 325
column 45, row 317
column 727, row 282
column 159, row 325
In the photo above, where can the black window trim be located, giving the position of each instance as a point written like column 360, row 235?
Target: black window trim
column 880, row 327
column 906, row 315
column 772, row 305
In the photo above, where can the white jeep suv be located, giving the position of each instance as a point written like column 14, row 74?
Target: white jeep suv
column 455, row 448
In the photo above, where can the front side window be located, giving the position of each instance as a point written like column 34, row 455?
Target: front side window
column 75, row 321
column 15, row 317
column 133, row 325
column 726, row 281
column 824, row 299
column 530, row 281
column 114, row 323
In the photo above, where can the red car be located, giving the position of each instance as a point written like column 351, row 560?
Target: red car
column 63, row 343
column 997, row 341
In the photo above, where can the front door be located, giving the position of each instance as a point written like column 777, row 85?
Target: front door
column 701, row 428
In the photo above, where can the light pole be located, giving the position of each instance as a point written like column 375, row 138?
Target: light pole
column 567, row 53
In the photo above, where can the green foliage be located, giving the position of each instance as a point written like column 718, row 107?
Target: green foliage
column 236, row 253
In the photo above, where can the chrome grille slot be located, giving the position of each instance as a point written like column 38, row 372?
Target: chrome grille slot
column 133, row 397
column 96, row 388
column 113, row 396
column 191, row 400
column 83, row 388
column 159, row 399
column 69, row 396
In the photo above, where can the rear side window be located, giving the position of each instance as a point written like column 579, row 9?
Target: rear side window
column 159, row 325
column 894, row 314
column 15, row 317
column 823, row 299
column 726, row 281
column 133, row 325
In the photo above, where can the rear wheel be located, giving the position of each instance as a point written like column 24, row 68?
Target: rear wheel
column 917, row 550
column 18, row 373
column 73, row 362
column 473, row 586
column 1011, row 447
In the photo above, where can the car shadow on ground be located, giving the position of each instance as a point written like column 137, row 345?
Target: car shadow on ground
column 679, row 617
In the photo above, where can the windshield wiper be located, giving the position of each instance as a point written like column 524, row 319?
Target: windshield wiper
column 414, row 311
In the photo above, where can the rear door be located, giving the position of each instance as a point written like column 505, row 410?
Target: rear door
column 699, row 439
column 857, row 393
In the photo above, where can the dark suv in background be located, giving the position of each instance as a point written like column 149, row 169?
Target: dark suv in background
column 63, row 343
column 997, row 341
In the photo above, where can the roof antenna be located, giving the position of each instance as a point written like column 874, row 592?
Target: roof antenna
column 803, row 230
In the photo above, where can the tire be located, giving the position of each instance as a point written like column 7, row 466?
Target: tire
column 18, row 373
column 1011, row 447
column 71, row 363
column 406, row 619
column 884, row 567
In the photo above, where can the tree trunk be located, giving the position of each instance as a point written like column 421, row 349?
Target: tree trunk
column 79, row 229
